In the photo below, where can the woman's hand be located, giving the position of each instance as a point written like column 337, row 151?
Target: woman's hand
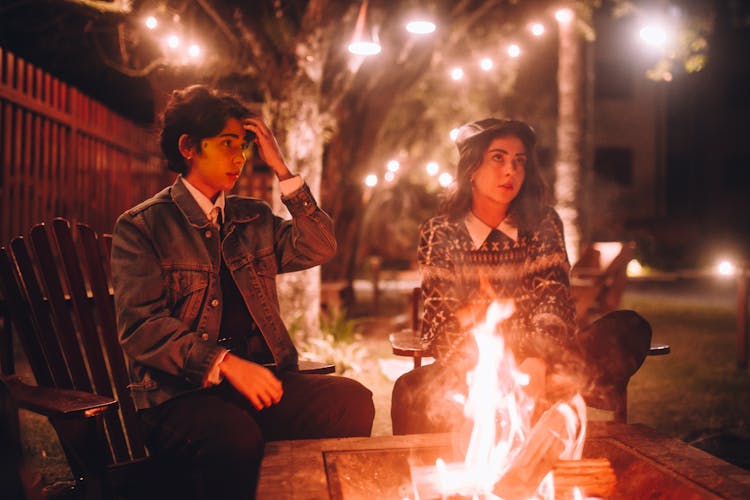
column 268, row 148
column 257, row 383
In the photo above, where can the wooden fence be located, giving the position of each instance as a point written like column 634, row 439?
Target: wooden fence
column 64, row 154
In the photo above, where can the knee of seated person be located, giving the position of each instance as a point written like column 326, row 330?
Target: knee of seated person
column 357, row 408
column 233, row 450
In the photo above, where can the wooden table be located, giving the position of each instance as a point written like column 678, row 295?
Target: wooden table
column 647, row 464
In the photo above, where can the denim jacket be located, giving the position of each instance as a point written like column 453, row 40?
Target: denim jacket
column 166, row 258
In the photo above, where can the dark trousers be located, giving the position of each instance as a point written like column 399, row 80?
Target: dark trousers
column 210, row 443
column 607, row 354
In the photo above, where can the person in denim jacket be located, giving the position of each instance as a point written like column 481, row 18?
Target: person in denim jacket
column 194, row 271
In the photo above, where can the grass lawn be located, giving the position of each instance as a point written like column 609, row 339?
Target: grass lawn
column 696, row 393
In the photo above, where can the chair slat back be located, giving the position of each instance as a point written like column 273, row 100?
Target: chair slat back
column 65, row 285
column 99, row 279
column 19, row 314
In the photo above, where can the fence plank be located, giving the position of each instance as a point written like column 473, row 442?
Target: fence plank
column 66, row 155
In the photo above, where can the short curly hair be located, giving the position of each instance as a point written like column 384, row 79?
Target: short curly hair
column 199, row 112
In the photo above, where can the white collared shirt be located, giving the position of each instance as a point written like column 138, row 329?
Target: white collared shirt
column 213, row 209
column 479, row 231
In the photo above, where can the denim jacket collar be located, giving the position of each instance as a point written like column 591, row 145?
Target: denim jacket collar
column 187, row 204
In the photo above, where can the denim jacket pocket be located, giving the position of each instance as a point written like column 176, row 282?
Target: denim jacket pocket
column 185, row 292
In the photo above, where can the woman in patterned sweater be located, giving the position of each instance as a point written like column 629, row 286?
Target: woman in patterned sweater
column 495, row 239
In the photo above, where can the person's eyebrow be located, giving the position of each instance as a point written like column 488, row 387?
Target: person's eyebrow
column 229, row 134
column 505, row 152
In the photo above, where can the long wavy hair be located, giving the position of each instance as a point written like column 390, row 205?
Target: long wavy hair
column 529, row 205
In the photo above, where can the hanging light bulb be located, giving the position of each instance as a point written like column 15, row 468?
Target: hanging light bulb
column 420, row 26
column 362, row 44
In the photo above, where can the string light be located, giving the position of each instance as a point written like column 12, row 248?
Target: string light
column 445, row 179
column 486, row 64
column 393, row 166
column 371, row 180
column 537, row 29
column 173, row 41
column 151, row 22
column 453, row 134
column 457, row 73
column 432, row 168
column 514, row 50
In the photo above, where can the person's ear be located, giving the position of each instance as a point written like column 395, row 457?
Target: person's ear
column 186, row 147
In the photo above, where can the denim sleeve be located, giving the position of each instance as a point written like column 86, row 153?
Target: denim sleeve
column 307, row 240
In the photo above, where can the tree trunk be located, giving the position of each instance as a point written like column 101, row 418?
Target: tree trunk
column 569, row 133
column 295, row 120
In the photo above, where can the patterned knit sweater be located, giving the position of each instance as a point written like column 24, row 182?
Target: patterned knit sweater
column 459, row 281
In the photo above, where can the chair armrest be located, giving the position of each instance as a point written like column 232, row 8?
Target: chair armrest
column 407, row 343
column 309, row 367
column 659, row 349
column 315, row 367
column 54, row 402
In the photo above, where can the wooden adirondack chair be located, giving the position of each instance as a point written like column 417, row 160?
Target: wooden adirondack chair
column 57, row 294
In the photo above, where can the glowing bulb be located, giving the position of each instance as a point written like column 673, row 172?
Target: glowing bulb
column 194, row 50
column 564, row 16
column 389, row 176
column 654, row 35
column 371, row 180
column 486, row 64
column 726, row 268
column 151, row 22
column 445, row 179
column 514, row 50
column 393, row 166
column 537, row 29
column 432, row 168
column 457, row 73
column 173, row 41
column 420, row 27
column 364, row 48
column 454, row 134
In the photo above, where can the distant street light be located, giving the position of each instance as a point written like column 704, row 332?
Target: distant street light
column 726, row 268
column 654, row 35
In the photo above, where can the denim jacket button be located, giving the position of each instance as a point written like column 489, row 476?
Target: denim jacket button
column 204, row 337
column 208, row 233
column 215, row 303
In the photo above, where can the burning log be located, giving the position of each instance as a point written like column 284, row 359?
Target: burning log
column 549, row 439
column 594, row 477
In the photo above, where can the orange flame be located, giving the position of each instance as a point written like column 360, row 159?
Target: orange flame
column 502, row 412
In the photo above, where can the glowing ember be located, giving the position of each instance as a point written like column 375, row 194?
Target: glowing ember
column 506, row 456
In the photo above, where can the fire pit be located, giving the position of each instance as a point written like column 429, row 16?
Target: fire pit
column 647, row 465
